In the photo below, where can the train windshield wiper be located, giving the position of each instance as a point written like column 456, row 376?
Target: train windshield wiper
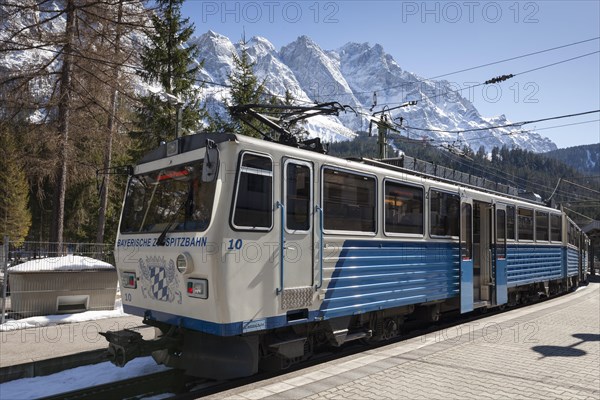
column 163, row 235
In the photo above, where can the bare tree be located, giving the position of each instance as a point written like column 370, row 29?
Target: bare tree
column 79, row 60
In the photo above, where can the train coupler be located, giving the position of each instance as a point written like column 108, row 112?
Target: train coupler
column 125, row 345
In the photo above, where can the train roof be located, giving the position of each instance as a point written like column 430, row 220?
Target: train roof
column 187, row 143
column 196, row 141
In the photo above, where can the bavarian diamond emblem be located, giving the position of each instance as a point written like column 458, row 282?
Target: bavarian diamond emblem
column 159, row 288
column 160, row 280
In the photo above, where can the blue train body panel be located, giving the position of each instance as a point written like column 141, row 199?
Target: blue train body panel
column 466, row 286
column 530, row 263
column 572, row 262
column 374, row 275
column 501, row 282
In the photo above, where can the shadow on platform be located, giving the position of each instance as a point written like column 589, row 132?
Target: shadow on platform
column 567, row 351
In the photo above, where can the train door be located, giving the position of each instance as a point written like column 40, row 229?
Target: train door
column 483, row 274
column 500, row 255
column 466, row 255
column 297, row 203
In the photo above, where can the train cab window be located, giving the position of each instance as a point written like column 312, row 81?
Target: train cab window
column 444, row 213
column 348, row 201
column 403, row 208
column 298, row 195
column 525, row 223
column 510, row 223
column 541, row 226
column 253, row 207
column 555, row 228
column 173, row 199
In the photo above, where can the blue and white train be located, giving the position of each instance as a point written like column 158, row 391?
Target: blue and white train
column 246, row 254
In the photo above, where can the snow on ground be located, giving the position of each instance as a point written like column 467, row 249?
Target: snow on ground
column 77, row 378
column 46, row 320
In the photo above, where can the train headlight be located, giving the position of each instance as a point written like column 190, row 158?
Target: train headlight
column 197, row 288
column 129, row 280
column 185, row 264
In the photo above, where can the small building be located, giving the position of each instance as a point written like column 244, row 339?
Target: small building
column 61, row 285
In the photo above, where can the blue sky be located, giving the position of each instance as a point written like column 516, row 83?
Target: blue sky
column 432, row 38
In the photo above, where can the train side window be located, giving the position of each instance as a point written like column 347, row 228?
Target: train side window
column 253, row 208
column 501, row 234
column 403, row 208
column 510, row 223
column 555, row 228
column 466, row 233
column 349, row 201
column 541, row 226
column 444, row 213
column 298, row 195
column 525, row 223
column 571, row 233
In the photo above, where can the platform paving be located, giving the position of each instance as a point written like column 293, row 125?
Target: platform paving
column 550, row 350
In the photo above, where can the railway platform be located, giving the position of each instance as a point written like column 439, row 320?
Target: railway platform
column 550, row 350
column 47, row 349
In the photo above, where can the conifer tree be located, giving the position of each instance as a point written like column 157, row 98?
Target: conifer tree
column 245, row 89
column 15, row 217
column 169, row 62
column 289, row 99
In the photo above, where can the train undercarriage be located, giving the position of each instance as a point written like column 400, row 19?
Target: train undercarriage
column 227, row 357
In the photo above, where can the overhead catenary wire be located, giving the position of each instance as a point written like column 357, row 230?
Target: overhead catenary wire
column 384, row 89
column 481, row 84
column 518, row 124
column 516, row 57
column 581, row 186
column 478, row 138
column 514, row 180
column 445, row 94
column 579, row 214
column 565, row 125
column 522, row 182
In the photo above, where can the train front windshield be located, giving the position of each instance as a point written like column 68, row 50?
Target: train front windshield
column 173, row 199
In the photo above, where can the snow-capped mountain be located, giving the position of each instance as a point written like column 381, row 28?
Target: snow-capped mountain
column 350, row 75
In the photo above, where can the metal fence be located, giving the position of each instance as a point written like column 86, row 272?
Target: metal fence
column 42, row 278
